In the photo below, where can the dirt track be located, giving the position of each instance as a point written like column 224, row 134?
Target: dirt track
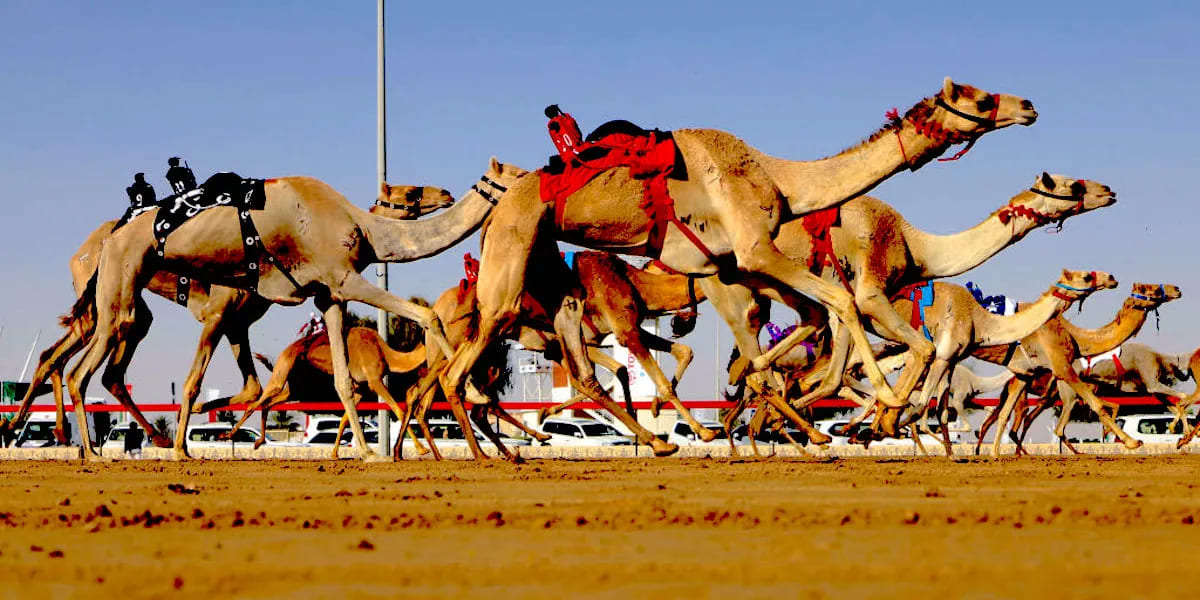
column 1075, row 527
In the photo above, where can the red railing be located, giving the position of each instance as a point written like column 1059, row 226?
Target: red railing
column 367, row 406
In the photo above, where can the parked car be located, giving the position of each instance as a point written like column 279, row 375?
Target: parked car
column 681, row 433
column 209, row 435
column 330, row 423
column 1151, row 429
column 116, row 439
column 38, row 432
column 448, row 433
column 831, row 426
column 582, row 432
column 766, row 435
column 325, row 437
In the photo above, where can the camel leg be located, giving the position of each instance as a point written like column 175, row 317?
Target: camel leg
column 567, row 323
column 210, row 336
column 889, row 325
column 51, row 363
column 504, row 415
column 1012, row 391
column 602, row 359
column 381, row 391
column 1066, row 373
column 341, row 377
column 1068, row 398
column 636, row 341
column 479, row 417
column 1187, row 438
column 113, row 377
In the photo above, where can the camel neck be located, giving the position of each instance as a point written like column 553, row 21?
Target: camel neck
column 664, row 292
column 1126, row 324
column 957, row 253
column 995, row 330
column 398, row 240
column 819, row 184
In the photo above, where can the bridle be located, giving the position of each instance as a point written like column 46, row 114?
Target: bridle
column 1156, row 300
column 1011, row 211
column 939, row 134
column 1080, row 291
column 412, row 202
column 491, row 196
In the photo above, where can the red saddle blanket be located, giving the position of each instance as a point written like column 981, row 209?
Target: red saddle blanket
column 650, row 158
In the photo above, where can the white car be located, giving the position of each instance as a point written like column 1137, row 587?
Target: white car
column 582, row 432
column 681, row 434
column 1151, row 429
column 330, row 423
column 448, row 433
column 209, row 435
column 39, row 432
column 325, row 437
column 830, row 426
column 116, row 439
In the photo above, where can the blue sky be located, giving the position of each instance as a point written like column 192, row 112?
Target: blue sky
column 96, row 92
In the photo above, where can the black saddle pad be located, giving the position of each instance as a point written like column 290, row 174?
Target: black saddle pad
column 222, row 189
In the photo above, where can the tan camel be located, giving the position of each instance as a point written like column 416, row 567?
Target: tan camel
column 1138, row 369
column 1050, row 352
column 370, row 359
column 314, row 242
column 966, row 385
column 734, row 200
column 884, row 254
column 224, row 312
column 617, row 297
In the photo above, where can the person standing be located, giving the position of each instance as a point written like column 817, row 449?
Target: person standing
column 133, row 441
column 180, row 177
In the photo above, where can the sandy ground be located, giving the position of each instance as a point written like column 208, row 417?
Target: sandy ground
column 1087, row 527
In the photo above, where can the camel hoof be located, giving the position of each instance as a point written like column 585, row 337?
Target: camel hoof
column 371, row 457
column 759, row 363
column 706, row 434
column 818, row 438
column 542, row 413
column 92, row 457
column 160, row 441
column 1132, row 444
column 662, row 448
column 59, row 437
column 541, row 437
column 180, row 455
column 656, row 407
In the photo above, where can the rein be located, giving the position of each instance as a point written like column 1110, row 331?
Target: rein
column 938, row 133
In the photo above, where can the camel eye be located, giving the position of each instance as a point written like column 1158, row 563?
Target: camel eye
column 1078, row 188
column 1088, row 277
column 987, row 104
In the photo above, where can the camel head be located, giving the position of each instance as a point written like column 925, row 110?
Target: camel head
column 1149, row 296
column 972, row 112
column 496, row 180
column 1055, row 198
column 1078, row 285
column 410, row 201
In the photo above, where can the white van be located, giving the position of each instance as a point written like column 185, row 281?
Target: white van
column 582, row 432
column 1150, row 429
column 209, row 435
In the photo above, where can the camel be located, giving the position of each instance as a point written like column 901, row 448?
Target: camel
column 1141, row 370
column 370, row 359
column 884, row 254
column 966, row 385
column 311, row 242
column 734, row 200
column 224, row 312
column 1050, row 352
column 617, row 297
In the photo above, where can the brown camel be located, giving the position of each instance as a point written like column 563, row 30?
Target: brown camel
column 617, row 297
column 370, row 359
column 224, row 312
column 884, row 254
column 1049, row 354
column 314, row 242
column 734, row 200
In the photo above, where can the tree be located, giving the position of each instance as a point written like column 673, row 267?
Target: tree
column 163, row 426
column 283, row 420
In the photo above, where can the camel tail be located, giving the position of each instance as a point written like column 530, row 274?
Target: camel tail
column 84, row 307
column 404, row 362
column 262, row 358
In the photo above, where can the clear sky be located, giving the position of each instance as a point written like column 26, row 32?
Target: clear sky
column 94, row 92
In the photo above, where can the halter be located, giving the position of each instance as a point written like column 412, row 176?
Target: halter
column 488, row 195
column 1011, row 211
column 1081, row 291
column 1162, row 295
column 1076, row 198
column 412, row 202
column 939, row 134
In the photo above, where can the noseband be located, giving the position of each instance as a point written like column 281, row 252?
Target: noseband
column 1162, row 296
column 412, row 202
column 1076, row 198
column 1071, row 288
column 939, row 134
column 491, row 196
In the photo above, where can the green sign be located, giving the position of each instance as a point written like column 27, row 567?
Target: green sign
column 14, row 391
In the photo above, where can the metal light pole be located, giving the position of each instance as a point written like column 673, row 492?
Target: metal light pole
column 385, row 422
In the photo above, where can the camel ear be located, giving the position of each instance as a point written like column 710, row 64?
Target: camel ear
column 494, row 165
column 948, row 89
column 385, row 189
column 1047, row 181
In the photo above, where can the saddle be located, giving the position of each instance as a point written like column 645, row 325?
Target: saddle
column 222, row 189
column 651, row 156
column 998, row 305
column 921, row 296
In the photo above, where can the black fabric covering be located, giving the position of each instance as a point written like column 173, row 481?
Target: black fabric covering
column 555, row 165
column 222, row 189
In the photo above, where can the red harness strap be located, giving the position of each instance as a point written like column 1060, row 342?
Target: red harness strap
column 818, row 225
column 471, row 270
column 649, row 159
